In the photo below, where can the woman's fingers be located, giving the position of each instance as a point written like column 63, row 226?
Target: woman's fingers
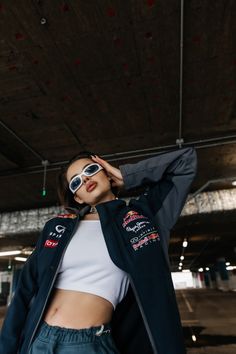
column 112, row 171
column 102, row 162
column 108, row 167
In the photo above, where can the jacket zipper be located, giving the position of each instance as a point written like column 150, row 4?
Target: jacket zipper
column 143, row 315
column 52, row 283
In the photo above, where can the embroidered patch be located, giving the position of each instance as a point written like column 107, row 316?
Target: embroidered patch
column 138, row 226
column 144, row 233
column 50, row 243
column 132, row 215
column 139, row 242
column 67, row 216
column 58, row 232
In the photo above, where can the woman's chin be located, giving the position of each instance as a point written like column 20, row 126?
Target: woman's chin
column 101, row 197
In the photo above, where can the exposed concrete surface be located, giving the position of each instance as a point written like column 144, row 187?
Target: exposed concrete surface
column 211, row 316
column 224, row 349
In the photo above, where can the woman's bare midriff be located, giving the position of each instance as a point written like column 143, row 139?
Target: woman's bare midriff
column 75, row 309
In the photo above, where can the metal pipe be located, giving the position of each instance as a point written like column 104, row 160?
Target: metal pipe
column 156, row 148
column 223, row 179
column 55, row 166
column 180, row 140
column 21, row 141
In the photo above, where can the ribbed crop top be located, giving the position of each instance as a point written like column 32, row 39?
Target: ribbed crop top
column 87, row 266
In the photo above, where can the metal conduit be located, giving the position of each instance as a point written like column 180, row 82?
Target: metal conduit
column 21, row 140
column 210, row 182
column 55, row 166
column 180, row 140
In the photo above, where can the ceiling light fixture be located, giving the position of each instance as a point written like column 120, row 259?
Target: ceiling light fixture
column 21, row 259
column 231, row 267
column 9, row 253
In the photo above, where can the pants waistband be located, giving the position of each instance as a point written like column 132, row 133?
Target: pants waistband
column 71, row 334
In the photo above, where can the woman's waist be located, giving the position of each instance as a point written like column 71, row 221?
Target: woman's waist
column 75, row 309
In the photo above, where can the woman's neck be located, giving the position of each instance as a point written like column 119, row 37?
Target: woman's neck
column 91, row 217
column 94, row 215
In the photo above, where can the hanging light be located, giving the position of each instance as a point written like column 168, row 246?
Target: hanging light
column 44, row 163
column 9, row 264
column 185, row 243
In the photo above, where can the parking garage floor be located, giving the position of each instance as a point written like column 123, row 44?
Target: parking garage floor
column 210, row 315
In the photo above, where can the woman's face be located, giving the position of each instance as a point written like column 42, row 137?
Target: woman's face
column 95, row 189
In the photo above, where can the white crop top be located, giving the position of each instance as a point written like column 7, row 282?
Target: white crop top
column 87, row 266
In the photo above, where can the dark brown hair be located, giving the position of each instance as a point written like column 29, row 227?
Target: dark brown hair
column 66, row 197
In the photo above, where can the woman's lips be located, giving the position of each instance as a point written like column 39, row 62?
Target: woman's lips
column 91, row 187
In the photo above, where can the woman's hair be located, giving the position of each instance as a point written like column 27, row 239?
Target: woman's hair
column 66, row 197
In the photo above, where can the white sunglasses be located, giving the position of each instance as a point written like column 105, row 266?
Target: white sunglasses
column 89, row 170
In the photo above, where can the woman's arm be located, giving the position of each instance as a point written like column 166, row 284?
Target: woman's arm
column 169, row 177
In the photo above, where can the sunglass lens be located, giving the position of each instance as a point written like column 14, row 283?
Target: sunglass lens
column 75, row 184
column 90, row 170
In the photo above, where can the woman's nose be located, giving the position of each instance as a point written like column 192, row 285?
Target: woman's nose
column 85, row 178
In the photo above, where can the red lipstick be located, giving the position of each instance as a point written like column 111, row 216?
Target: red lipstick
column 90, row 186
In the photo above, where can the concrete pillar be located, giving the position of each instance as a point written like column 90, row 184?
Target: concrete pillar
column 223, row 276
column 206, row 278
column 212, row 272
column 232, row 280
column 201, row 277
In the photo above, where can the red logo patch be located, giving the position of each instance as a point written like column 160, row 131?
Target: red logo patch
column 50, row 243
column 67, row 216
column 130, row 216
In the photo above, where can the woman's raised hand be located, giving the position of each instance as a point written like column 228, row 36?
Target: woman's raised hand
column 112, row 172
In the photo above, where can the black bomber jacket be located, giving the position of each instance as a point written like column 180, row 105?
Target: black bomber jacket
column 136, row 234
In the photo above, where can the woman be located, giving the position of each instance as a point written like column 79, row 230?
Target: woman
column 99, row 280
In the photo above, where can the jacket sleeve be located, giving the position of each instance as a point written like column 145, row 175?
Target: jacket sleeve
column 168, row 177
column 27, row 287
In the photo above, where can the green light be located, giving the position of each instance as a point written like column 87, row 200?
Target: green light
column 44, row 192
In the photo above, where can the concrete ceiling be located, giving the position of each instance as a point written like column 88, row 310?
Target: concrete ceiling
column 106, row 76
